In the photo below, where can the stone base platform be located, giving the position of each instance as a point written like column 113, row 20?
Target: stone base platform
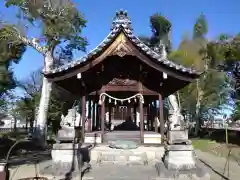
column 62, row 170
column 141, row 155
column 199, row 173
column 179, row 157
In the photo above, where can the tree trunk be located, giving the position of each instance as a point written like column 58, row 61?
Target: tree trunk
column 198, row 105
column 15, row 124
column 200, row 93
column 26, row 125
column 44, row 101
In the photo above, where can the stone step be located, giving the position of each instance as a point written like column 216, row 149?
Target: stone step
column 125, row 157
column 152, row 153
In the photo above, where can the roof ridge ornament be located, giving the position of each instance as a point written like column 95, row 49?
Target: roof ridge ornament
column 121, row 19
column 161, row 50
column 164, row 51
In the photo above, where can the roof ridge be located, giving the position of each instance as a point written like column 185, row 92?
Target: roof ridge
column 122, row 22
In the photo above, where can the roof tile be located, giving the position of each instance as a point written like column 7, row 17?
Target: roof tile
column 122, row 22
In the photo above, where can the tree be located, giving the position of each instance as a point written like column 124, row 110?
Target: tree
column 10, row 52
column 61, row 26
column 225, row 53
column 204, row 98
column 27, row 105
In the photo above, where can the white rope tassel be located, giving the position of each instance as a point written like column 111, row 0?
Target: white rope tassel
column 103, row 95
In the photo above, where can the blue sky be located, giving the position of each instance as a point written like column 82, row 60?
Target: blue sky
column 223, row 17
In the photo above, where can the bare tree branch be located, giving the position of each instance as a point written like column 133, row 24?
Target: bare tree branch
column 33, row 42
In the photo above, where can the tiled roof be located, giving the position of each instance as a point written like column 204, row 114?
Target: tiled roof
column 121, row 22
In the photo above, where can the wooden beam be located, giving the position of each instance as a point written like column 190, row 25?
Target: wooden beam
column 67, row 93
column 133, row 88
column 161, row 118
column 83, row 116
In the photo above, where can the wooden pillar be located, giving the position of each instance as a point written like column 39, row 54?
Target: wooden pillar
column 102, row 119
column 83, row 116
column 129, row 111
column 93, row 116
column 141, row 121
column 89, row 115
column 152, row 116
column 148, row 116
column 109, row 116
column 155, row 117
column 135, row 114
column 132, row 113
column 98, row 116
column 161, row 118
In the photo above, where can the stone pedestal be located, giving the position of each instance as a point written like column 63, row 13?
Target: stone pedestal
column 65, row 152
column 178, row 137
column 66, row 158
column 179, row 157
column 198, row 173
column 69, row 134
column 179, row 153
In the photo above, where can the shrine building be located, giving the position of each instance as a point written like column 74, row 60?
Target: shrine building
column 122, row 80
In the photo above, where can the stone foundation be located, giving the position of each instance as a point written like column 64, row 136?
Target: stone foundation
column 177, row 136
column 64, row 152
column 198, row 173
column 106, row 154
column 67, row 158
column 179, row 157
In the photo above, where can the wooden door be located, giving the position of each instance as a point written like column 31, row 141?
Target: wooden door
column 120, row 113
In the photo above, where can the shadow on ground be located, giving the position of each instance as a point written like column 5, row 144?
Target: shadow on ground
column 23, row 153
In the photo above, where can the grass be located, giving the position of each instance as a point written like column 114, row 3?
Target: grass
column 218, row 149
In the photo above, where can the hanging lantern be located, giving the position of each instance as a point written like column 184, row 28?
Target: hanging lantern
column 115, row 102
column 135, row 99
column 109, row 100
column 129, row 100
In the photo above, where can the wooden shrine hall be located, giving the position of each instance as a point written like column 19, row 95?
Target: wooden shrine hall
column 123, row 80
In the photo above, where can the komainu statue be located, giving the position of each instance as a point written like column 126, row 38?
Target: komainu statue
column 68, row 125
column 176, row 120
